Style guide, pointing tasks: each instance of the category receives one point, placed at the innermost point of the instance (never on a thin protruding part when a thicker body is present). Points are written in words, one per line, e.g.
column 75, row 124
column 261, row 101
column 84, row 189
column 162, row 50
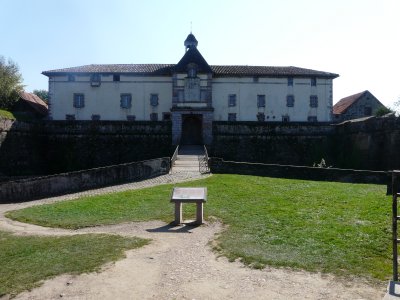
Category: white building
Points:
column 192, row 94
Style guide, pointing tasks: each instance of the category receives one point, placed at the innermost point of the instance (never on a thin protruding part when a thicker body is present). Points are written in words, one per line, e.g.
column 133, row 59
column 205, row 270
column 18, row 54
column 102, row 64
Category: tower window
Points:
column 285, row 118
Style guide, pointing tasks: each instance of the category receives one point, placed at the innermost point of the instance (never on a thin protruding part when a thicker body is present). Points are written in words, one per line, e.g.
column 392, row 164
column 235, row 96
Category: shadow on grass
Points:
column 173, row 228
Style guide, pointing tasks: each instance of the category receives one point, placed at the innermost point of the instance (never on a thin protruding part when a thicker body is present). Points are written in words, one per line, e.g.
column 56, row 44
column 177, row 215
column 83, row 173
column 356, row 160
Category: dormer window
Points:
column 192, row 71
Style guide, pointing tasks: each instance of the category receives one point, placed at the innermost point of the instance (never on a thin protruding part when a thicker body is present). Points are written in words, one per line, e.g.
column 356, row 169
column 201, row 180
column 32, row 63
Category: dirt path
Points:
column 179, row 264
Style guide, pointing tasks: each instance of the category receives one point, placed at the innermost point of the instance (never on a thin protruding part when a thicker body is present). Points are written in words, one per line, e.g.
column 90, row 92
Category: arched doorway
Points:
column 192, row 130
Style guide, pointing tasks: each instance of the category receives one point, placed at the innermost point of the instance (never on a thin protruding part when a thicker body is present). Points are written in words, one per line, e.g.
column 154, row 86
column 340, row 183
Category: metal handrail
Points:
column 174, row 156
column 203, row 162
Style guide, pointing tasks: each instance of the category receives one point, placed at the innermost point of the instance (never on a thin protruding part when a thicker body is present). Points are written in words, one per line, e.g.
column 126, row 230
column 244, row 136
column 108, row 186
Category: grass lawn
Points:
column 337, row 228
column 26, row 260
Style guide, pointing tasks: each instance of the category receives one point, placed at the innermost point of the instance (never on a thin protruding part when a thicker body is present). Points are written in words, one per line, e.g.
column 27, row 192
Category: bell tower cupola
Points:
column 190, row 42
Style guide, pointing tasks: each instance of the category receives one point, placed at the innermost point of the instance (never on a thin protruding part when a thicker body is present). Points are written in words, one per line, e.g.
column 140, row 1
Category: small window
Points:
column 70, row 117
column 232, row 117
column 79, row 100
column 285, row 119
column 116, row 77
column 95, row 80
column 95, row 117
column 71, row 77
column 131, row 117
column 260, row 117
column 260, row 100
column 154, row 117
column 313, row 101
column 255, row 79
column 166, row 116
column 126, row 101
column 290, row 81
column 154, row 99
column 290, row 100
column 312, row 119
column 367, row 111
column 95, row 77
column 232, row 100
column 313, row 81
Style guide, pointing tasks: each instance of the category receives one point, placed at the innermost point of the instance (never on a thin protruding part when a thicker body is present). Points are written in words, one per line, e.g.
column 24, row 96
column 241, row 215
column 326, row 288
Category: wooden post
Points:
column 395, row 180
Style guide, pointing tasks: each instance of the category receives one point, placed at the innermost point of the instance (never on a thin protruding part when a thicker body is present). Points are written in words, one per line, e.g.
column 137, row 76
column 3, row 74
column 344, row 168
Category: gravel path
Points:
column 179, row 264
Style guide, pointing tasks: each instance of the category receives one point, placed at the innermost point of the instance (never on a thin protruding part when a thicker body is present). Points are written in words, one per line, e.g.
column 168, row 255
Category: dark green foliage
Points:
column 10, row 83
column 383, row 111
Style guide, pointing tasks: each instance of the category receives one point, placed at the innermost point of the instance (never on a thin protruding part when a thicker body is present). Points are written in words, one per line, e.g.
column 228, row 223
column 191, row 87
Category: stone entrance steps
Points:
column 188, row 159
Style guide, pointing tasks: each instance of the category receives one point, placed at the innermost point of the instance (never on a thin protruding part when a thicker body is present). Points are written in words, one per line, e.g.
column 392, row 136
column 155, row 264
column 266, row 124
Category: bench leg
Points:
column 199, row 213
column 178, row 213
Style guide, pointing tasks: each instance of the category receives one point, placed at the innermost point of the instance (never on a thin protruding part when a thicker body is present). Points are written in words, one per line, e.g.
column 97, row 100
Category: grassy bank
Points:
column 6, row 114
column 26, row 260
column 331, row 227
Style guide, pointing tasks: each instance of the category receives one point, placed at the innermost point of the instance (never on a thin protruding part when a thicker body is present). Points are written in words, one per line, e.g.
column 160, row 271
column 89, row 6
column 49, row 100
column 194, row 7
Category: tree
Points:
column 10, row 83
column 42, row 94
column 383, row 111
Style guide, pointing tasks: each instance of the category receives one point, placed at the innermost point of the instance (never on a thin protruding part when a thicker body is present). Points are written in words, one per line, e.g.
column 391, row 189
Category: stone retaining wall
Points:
column 43, row 187
column 218, row 165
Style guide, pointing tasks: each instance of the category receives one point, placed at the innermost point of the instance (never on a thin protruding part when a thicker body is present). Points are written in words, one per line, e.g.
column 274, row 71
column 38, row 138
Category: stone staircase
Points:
column 187, row 160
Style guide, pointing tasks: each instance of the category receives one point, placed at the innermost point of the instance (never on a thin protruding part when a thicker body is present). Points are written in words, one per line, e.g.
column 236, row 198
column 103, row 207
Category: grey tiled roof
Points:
column 168, row 69
column 268, row 71
column 156, row 69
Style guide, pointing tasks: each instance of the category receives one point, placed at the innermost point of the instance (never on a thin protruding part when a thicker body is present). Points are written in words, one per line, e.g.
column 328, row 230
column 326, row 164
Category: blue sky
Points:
column 358, row 39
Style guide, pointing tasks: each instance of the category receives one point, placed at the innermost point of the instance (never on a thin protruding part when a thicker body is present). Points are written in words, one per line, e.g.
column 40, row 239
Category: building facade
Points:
column 192, row 94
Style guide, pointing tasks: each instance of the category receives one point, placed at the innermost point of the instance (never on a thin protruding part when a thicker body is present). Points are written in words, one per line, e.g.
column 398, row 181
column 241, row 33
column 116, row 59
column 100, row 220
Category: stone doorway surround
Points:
column 178, row 116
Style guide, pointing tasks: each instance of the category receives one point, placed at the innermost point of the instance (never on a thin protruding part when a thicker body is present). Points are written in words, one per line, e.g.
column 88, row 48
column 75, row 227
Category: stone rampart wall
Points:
column 52, row 147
